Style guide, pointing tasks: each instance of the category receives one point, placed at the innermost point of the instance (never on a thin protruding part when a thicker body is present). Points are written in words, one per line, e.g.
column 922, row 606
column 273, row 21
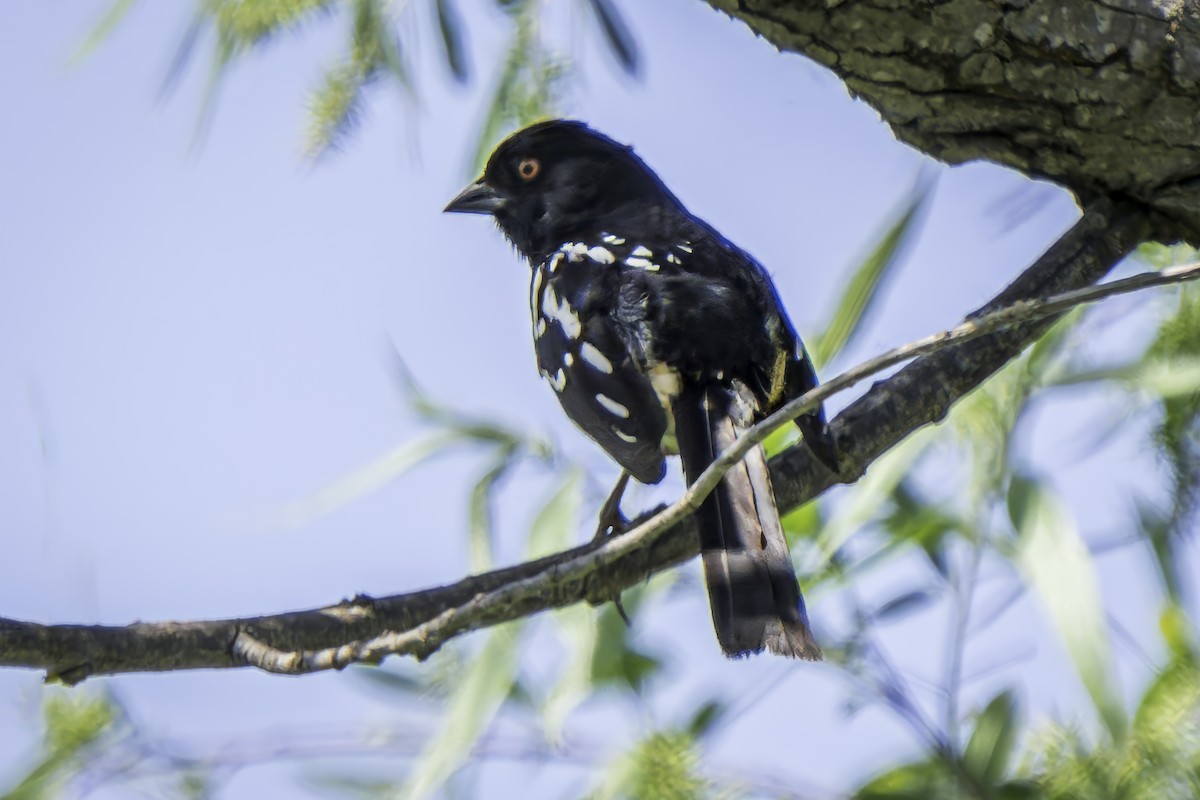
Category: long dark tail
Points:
column 752, row 588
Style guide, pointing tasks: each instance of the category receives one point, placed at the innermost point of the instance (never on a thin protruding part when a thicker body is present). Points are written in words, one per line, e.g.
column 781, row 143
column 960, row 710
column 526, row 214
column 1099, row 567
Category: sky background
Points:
column 195, row 335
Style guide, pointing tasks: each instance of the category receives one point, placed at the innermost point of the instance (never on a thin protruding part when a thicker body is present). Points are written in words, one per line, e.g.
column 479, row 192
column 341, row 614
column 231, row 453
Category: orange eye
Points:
column 529, row 168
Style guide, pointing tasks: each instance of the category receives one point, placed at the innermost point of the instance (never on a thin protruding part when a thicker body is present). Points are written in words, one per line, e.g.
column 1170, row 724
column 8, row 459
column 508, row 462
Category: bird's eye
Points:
column 529, row 168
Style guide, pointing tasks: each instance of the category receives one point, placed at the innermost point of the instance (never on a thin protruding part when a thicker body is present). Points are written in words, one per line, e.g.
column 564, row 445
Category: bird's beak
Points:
column 478, row 198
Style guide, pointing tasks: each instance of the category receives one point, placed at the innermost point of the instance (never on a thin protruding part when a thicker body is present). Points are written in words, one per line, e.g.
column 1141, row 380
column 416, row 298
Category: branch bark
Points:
column 1102, row 96
column 367, row 629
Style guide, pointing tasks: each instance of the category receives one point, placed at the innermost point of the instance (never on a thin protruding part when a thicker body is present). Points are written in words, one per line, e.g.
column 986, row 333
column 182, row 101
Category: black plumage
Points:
column 659, row 336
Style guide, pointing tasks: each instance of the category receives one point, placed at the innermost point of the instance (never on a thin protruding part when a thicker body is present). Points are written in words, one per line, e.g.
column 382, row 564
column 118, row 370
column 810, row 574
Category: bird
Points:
column 660, row 337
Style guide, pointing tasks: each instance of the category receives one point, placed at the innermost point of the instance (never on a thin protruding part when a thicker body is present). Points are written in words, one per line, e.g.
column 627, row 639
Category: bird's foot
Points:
column 611, row 521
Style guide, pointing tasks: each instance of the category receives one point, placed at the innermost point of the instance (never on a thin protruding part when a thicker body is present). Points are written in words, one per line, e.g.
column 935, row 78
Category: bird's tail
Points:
column 752, row 588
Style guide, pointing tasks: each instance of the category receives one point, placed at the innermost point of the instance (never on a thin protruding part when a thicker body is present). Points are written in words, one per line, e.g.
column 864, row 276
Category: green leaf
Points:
column 868, row 277
column 469, row 710
column 902, row 605
column 366, row 480
column 615, row 660
column 551, row 531
column 479, row 516
column 705, row 718
column 553, row 527
column 76, row 725
column 115, row 15
column 664, row 766
column 990, row 748
column 872, row 492
column 1056, row 563
column 921, row 780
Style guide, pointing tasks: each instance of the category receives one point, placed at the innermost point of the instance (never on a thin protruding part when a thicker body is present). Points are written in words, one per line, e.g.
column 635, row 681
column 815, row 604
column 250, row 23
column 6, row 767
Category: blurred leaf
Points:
column 1163, row 378
column 1055, row 562
column 664, row 766
column 479, row 516
column 1178, row 632
column 117, row 11
column 990, row 748
column 551, row 531
column 615, row 660
column 556, row 523
column 450, row 28
column 75, row 724
column 872, row 492
column 245, row 23
column 366, row 480
column 867, row 279
column 470, row 708
column 1171, row 703
column 389, row 678
column 617, row 34
column 921, row 780
column 915, row 520
column 335, row 106
column 705, row 717
column 803, row 523
column 1160, row 256
column 525, row 88
column 578, row 627
column 902, row 605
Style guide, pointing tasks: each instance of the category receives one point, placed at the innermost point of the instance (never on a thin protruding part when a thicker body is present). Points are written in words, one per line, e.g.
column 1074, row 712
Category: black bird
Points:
column 660, row 336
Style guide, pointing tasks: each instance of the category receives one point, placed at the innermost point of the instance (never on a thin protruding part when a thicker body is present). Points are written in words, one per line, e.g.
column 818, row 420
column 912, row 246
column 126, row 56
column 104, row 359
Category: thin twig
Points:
column 420, row 622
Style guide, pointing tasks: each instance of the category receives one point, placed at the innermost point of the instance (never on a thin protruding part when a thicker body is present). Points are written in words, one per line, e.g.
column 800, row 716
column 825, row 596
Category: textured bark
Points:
column 1102, row 96
column 418, row 623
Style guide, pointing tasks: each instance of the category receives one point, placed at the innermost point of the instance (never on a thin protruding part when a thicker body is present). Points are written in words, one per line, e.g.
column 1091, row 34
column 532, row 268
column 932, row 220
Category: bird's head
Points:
column 557, row 180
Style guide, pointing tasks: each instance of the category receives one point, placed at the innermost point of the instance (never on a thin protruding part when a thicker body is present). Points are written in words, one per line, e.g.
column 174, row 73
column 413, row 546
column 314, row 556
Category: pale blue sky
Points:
column 193, row 336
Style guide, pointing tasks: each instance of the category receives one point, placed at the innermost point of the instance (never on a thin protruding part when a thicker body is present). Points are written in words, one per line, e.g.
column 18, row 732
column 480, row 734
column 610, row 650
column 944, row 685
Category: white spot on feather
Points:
column 642, row 250
column 558, row 380
column 575, row 251
column 612, row 406
column 672, row 259
column 601, row 255
column 642, row 263
column 686, row 247
column 624, row 437
column 559, row 311
column 608, row 238
column 592, row 355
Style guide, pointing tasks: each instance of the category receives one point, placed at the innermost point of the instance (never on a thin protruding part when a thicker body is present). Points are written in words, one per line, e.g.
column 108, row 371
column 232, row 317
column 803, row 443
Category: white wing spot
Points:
column 535, row 290
column 642, row 263
column 575, row 251
column 608, row 238
column 568, row 359
column 555, row 260
column 624, row 437
column 685, row 247
column 601, row 255
column 558, row 380
column 560, row 311
column 671, row 258
column 541, row 326
column 612, row 406
column 593, row 356
column 642, row 250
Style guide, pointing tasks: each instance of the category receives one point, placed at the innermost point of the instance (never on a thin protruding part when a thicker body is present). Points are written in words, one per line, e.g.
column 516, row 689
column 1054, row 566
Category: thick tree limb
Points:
column 1102, row 96
column 366, row 629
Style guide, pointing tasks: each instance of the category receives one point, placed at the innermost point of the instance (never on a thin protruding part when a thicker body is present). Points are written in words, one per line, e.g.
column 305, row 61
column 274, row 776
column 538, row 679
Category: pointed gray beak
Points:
column 478, row 198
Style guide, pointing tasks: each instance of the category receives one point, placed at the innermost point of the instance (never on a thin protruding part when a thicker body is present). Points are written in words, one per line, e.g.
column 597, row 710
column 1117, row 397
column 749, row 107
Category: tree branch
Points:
column 365, row 629
column 1098, row 95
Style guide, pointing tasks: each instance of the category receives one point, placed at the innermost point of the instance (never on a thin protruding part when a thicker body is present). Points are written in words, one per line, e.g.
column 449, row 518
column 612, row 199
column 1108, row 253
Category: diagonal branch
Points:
column 948, row 365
